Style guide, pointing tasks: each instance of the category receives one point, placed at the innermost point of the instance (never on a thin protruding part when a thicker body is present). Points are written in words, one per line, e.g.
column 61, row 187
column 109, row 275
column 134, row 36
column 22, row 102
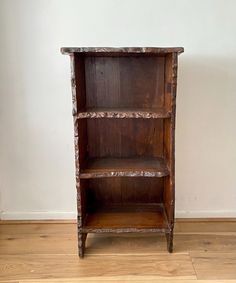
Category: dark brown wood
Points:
column 125, row 50
column 81, row 243
column 124, row 167
column 126, row 138
column 123, row 113
column 123, row 191
column 169, row 144
column 122, row 82
column 126, row 218
column 78, row 156
column 124, row 102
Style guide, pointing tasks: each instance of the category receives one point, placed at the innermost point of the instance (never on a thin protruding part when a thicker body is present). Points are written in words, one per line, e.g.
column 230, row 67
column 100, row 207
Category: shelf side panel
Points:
column 169, row 135
column 79, row 133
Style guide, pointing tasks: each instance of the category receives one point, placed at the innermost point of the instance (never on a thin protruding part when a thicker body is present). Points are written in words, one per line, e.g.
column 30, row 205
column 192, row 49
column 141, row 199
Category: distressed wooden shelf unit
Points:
column 124, row 129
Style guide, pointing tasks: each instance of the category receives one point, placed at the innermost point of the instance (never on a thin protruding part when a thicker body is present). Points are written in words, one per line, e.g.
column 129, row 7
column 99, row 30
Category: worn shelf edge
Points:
column 124, row 167
column 119, row 50
column 123, row 230
column 122, row 173
column 123, row 113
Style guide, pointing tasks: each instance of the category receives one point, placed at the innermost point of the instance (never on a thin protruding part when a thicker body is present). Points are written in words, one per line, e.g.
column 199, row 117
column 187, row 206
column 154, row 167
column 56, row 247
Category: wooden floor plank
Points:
column 18, row 267
column 204, row 242
column 214, row 265
column 48, row 253
column 38, row 244
column 156, row 243
column 37, row 228
column 15, row 228
column 124, row 279
column 205, row 226
column 44, row 243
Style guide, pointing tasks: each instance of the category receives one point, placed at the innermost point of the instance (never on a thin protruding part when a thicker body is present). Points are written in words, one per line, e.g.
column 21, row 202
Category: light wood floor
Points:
column 47, row 252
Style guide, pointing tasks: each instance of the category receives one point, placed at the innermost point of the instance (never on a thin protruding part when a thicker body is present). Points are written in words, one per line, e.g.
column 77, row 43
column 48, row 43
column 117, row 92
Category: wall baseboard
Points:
column 70, row 215
column 37, row 215
column 206, row 214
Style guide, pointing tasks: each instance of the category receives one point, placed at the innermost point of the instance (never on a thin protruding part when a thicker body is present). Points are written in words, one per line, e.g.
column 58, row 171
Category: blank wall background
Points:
column 36, row 143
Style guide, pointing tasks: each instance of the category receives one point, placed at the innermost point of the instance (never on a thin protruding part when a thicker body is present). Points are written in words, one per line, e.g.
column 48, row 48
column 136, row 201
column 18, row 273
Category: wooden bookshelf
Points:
column 124, row 129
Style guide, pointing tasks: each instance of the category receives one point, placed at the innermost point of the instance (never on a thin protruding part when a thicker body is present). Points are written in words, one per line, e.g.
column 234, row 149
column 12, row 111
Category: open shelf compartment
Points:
column 120, row 87
column 118, row 147
column 124, row 204
column 127, row 218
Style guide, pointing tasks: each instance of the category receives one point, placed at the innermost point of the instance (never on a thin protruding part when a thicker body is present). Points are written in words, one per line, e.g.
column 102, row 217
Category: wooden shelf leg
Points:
column 81, row 243
column 169, row 239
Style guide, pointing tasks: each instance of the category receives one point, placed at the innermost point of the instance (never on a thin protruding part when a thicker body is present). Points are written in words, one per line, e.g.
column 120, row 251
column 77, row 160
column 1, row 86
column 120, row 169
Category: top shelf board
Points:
column 121, row 51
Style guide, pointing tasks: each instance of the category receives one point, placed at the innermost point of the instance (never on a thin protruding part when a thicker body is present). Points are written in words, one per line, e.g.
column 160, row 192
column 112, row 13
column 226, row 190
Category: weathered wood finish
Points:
column 79, row 153
column 124, row 103
column 122, row 82
column 124, row 167
column 123, row 191
column 124, row 138
column 169, row 143
column 133, row 218
column 119, row 50
column 123, row 113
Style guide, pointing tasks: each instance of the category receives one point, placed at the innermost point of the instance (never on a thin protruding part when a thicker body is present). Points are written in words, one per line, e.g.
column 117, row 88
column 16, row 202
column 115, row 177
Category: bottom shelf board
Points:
column 131, row 218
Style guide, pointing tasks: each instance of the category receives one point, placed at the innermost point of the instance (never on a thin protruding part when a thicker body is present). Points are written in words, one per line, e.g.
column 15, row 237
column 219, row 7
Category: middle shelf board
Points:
column 124, row 113
column 124, row 167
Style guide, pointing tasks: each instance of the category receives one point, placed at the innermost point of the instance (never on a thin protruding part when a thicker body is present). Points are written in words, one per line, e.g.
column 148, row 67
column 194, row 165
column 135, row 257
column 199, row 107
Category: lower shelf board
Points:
column 119, row 219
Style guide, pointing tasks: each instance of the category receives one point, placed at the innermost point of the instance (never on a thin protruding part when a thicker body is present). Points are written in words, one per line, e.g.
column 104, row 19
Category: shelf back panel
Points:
column 124, row 138
column 124, row 82
column 124, row 191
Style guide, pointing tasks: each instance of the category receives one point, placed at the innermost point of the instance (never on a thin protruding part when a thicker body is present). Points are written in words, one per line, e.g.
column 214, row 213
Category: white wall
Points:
column 36, row 145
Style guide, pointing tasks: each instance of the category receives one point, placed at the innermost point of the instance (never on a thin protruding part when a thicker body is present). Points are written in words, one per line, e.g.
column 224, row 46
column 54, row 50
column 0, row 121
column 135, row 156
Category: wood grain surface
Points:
column 204, row 252
column 120, row 50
